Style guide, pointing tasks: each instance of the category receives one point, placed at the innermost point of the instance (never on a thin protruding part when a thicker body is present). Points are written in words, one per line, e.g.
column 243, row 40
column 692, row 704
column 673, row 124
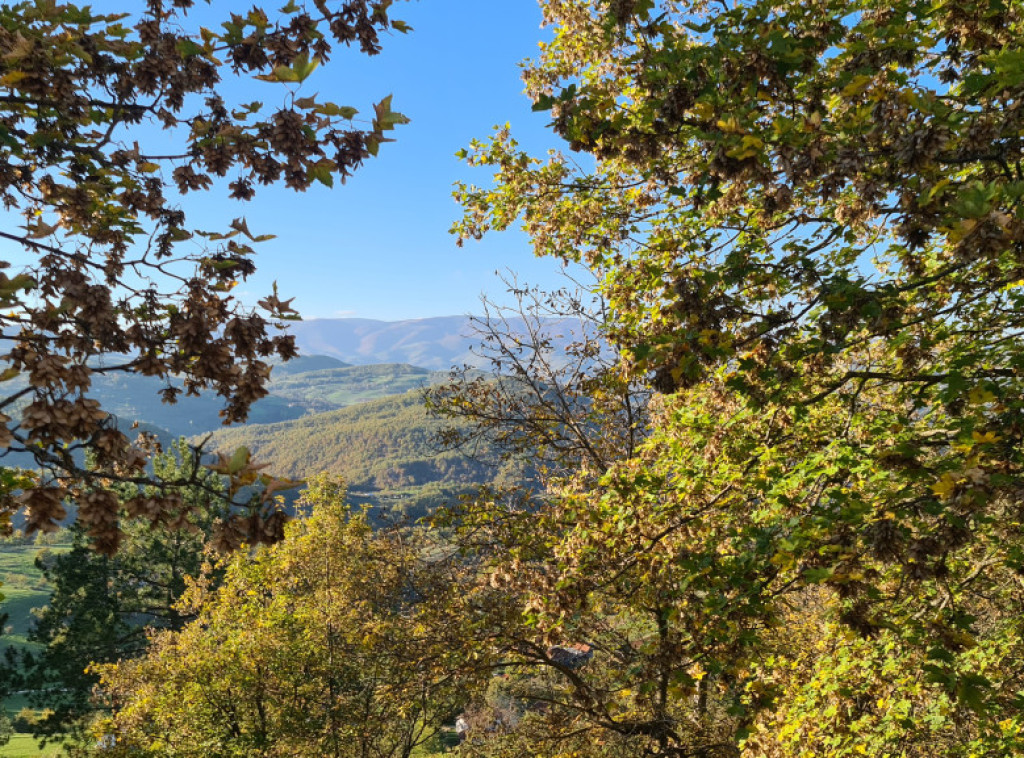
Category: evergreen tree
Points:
column 103, row 607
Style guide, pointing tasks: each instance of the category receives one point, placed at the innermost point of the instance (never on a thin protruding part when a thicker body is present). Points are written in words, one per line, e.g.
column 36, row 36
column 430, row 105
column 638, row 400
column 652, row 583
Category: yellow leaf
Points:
column 730, row 125
column 857, row 85
column 980, row 396
column 984, row 438
column 11, row 78
column 940, row 186
column 741, row 153
column 945, row 486
column 703, row 111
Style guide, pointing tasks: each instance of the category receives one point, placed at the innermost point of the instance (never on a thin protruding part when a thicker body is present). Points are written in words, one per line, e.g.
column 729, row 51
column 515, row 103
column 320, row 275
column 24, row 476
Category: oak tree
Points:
column 807, row 221
column 336, row 641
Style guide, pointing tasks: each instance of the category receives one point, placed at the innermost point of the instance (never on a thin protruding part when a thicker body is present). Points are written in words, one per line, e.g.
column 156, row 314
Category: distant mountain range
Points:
column 433, row 343
column 365, row 422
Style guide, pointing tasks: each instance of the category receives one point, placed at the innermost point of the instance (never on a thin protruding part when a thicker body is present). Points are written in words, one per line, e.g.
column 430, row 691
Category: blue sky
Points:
column 379, row 247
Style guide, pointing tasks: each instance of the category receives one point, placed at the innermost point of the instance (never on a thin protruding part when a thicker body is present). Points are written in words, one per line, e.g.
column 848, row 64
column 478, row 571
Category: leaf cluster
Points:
column 106, row 262
column 806, row 220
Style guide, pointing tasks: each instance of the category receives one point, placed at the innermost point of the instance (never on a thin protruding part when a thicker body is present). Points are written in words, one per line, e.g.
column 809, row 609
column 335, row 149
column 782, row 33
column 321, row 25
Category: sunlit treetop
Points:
column 807, row 217
column 783, row 179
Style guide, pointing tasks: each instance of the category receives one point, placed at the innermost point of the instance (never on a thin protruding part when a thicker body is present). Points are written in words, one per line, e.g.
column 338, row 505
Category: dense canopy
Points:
column 807, row 219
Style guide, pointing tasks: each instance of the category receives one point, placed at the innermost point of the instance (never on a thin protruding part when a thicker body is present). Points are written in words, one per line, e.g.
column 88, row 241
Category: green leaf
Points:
column 279, row 74
column 239, row 459
column 321, row 172
column 302, row 67
column 391, row 118
column 972, row 691
column 544, row 103
column 188, row 49
column 817, row 575
column 330, row 109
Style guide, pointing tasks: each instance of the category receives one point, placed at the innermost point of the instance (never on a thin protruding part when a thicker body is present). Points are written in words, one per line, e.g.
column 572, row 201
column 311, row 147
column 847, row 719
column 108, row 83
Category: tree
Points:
column 103, row 606
column 555, row 394
column 334, row 642
column 807, row 221
column 106, row 262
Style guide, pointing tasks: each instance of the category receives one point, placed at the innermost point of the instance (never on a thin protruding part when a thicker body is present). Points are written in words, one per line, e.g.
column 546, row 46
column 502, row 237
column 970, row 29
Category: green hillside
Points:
column 383, row 449
column 23, row 586
column 327, row 389
column 305, row 363
column 366, row 423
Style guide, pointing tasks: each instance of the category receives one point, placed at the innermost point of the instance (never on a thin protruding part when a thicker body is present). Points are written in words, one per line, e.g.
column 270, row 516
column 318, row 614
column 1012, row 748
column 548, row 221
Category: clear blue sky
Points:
column 378, row 247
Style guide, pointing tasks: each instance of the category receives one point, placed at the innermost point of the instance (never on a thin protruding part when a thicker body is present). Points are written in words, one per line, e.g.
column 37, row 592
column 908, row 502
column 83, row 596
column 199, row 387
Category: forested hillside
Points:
column 132, row 397
column 333, row 388
column 383, row 449
column 307, row 384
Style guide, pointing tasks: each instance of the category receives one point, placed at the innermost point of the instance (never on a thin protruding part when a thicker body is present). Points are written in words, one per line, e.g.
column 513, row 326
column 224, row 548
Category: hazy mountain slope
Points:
column 339, row 387
column 306, row 363
column 434, row 343
column 382, row 448
column 308, row 384
column 134, row 398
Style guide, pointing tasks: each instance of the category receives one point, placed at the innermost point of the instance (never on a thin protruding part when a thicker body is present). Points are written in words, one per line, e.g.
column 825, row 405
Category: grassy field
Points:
column 25, row 746
column 23, row 589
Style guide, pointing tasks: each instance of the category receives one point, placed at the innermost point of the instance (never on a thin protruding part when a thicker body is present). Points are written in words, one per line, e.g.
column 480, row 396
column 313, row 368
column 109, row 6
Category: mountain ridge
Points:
column 437, row 343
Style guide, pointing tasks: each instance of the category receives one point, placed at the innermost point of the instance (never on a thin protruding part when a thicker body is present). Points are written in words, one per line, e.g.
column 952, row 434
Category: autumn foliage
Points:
column 105, row 261
column 806, row 221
